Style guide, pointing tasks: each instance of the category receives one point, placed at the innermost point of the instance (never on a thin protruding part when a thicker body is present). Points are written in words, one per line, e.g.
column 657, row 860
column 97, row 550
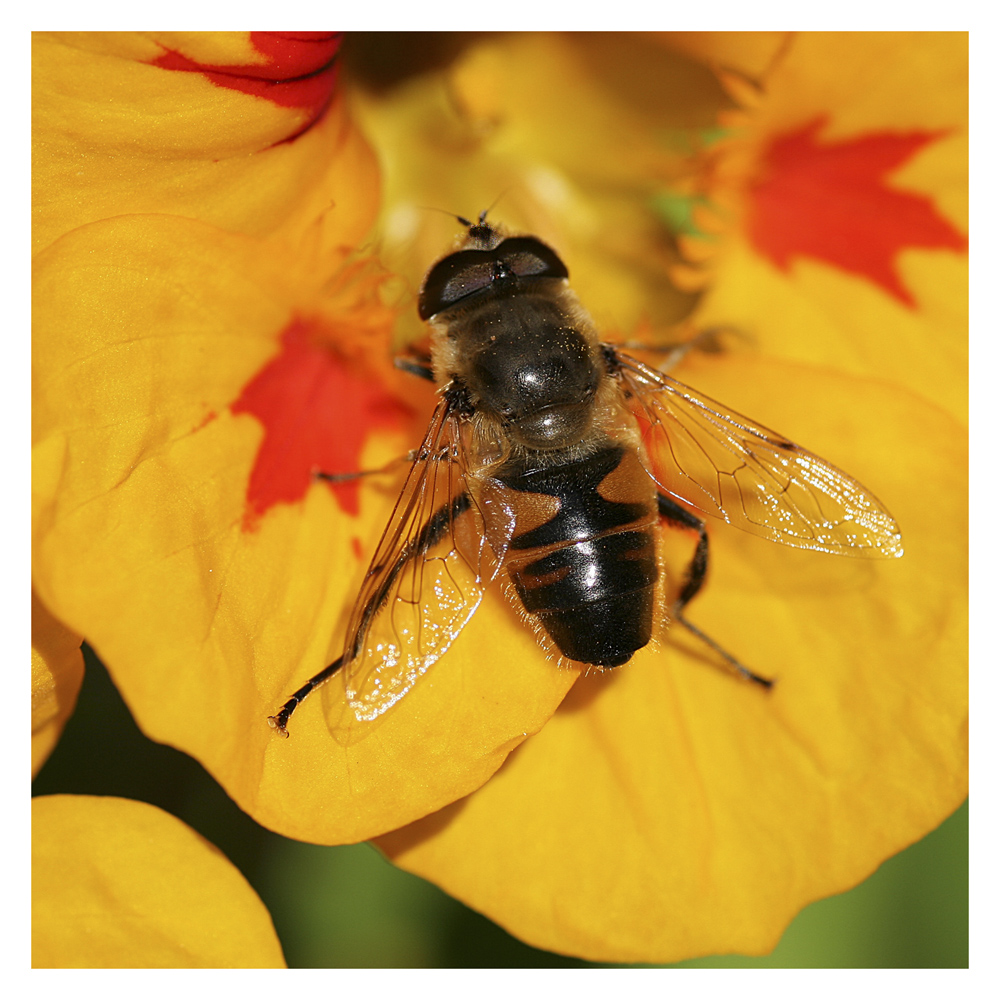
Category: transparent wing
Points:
column 427, row 577
column 723, row 464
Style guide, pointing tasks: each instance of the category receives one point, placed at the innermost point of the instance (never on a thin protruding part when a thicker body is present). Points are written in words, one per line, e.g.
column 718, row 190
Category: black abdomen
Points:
column 583, row 558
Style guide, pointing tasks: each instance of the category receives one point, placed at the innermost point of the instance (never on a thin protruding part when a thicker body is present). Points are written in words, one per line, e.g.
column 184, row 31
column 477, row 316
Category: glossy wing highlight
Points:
column 725, row 465
column 427, row 576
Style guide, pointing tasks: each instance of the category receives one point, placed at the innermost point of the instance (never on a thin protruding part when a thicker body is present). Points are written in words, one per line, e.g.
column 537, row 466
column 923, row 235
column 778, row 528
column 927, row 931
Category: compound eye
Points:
column 466, row 272
column 454, row 278
column 531, row 258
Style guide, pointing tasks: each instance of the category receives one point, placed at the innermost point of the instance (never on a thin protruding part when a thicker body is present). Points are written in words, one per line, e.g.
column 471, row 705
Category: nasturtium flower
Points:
column 122, row 884
column 199, row 357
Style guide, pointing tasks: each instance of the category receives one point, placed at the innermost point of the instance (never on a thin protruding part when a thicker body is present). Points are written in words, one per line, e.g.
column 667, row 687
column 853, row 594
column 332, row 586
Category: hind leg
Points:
column 694, row 577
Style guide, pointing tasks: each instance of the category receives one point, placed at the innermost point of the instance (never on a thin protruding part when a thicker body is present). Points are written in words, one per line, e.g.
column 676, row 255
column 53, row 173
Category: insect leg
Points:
column 346, row 477
column 419, row 365
column 431, row 533
column 391, row 466
column 694, row 577
column 280, row 720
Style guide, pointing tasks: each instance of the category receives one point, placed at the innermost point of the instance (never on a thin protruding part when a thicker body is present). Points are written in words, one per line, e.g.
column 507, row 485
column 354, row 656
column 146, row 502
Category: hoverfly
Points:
column 551, row 460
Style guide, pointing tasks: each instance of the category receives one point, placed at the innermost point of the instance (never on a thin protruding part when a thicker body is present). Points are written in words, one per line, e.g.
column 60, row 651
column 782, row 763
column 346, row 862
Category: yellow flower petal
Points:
column 668, row 810
column 749, row 53
column 122, row 884
column 901, row 79
column 115, row 134
column 56, row 676
column 900, row 83
column 719, row 822
column 206, row 621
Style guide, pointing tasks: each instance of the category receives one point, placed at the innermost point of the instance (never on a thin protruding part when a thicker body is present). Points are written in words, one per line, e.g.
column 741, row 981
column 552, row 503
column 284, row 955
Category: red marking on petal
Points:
column 294, row 54
column 831, row 202
column 356, row 547
column 300, row 71
column 317, row 411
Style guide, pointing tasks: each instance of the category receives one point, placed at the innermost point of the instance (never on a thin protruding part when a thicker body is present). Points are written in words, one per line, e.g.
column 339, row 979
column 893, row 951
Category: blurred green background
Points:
column 336, row 907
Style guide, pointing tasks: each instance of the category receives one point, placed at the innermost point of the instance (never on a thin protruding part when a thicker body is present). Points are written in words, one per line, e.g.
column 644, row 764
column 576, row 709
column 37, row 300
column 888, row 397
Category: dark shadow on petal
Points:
column 378, row 61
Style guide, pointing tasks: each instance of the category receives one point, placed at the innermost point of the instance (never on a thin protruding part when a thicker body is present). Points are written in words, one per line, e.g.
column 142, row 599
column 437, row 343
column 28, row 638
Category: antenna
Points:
column 462, row 220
